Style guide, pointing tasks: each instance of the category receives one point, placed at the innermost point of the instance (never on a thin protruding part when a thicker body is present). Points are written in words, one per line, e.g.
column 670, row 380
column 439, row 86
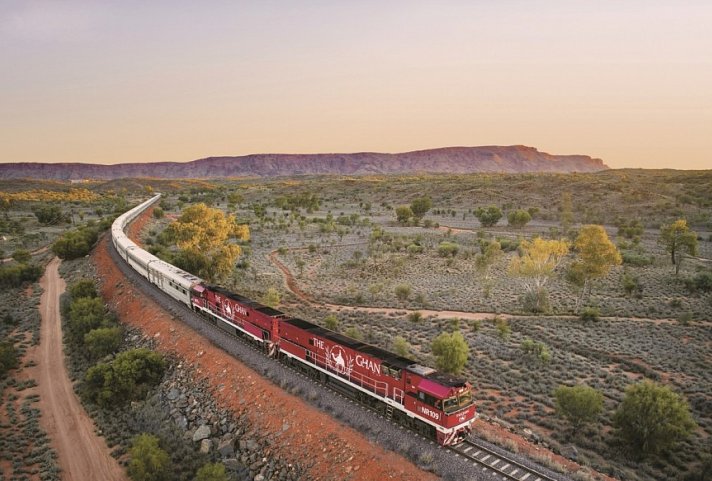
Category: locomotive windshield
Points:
column 455, row 403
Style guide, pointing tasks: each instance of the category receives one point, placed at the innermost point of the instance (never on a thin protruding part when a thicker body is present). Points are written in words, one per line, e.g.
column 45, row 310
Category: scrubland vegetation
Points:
column 594, row 291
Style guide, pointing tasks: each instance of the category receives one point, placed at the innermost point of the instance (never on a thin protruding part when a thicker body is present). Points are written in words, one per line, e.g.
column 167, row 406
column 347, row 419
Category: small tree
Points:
column 566, row 216
column 518, row 218
column 403, row 214
column 420, row 206
column 211, row 472
column 331, row 321
column 678, row 240
column 451, row 352
column 488, row 216
column 148, row 461
column 596, row 255
column 401, row 346
column 652, row 418
column 503, row 329
column 85, row 314
column 536, row 265
column 402, row 292
column 578, row 404
column 271, row 298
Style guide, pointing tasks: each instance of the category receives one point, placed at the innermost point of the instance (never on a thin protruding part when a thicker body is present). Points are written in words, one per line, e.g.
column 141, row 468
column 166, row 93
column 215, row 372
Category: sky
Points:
column 629, row 82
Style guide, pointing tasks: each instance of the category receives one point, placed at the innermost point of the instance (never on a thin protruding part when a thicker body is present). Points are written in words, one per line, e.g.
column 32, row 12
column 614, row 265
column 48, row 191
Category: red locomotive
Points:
column 436, row 405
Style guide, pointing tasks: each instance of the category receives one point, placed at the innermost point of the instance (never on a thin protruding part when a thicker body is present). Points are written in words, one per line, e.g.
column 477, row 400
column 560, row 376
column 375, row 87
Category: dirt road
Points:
column 82, row 454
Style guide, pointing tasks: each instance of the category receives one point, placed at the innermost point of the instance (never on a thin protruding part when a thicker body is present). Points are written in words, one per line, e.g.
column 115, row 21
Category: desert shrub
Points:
column 685, row 318
column 537, row 350
column 702, row 282
column 8, row 358
column 82, row 288
column 589, row 313
column 578, row 404
column 636, row 259
column 402, row 291
column 537, row 301
column 49, row 214
column 414, row 248
column 127, row 377
column 331, row 322
column 22, row 256
column 448, row 249
column 451, row 352
column 488, row 216
column 158, row 213
column 211, row 472
column 17, row 274
column 415, row 316
column 401, row 346
column 652, row 419
column 271, row 298
column 148, row 461
column 75, row 243
column 85, row 314
column 354, row 333
column 630, row 284
column 103, row 341
column 503, row 329
column 518, row 218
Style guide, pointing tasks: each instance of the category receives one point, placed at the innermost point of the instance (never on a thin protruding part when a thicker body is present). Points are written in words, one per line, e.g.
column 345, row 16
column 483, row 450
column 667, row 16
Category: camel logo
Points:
column 336, row 359
column 227, row 309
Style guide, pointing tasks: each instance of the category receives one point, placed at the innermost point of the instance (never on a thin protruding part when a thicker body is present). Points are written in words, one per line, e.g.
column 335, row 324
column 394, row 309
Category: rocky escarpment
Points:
column 454, row 160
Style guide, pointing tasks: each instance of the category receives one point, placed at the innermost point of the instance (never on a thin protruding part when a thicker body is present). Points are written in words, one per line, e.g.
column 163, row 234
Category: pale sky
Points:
column 136, row 81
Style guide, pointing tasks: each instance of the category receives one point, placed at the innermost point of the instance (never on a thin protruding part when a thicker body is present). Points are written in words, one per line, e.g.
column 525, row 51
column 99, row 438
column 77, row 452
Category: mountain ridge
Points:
column 504, row 159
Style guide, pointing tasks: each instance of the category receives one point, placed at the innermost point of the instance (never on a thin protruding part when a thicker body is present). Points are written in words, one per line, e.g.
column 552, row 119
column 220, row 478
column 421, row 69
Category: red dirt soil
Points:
column 335, row 451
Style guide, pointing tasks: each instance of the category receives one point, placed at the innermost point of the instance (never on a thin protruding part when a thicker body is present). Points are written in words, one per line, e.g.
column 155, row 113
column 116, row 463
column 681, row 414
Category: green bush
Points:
column 488, row 216
column 126, row 378
column 82, row 288
column 451, row 352
column 85, row 314
column 590, row 314
column 148, row 461
column 103, row 341
column 652, row 419
column 448, row 249
column 702, row 282
column 8, row 358
column 579, row 404
column 636, row 259
column 76, row 243
column 17, row 274
column 212, row 472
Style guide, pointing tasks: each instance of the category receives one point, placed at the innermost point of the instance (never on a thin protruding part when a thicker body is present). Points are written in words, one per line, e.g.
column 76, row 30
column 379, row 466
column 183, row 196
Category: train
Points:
column 437, row 405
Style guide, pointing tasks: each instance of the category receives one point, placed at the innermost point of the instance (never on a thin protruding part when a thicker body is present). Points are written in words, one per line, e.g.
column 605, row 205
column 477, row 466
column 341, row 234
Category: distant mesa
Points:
column 451, row 160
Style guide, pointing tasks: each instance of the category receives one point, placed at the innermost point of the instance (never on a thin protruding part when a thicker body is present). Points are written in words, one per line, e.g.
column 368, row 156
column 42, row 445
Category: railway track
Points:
column 497, row 463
